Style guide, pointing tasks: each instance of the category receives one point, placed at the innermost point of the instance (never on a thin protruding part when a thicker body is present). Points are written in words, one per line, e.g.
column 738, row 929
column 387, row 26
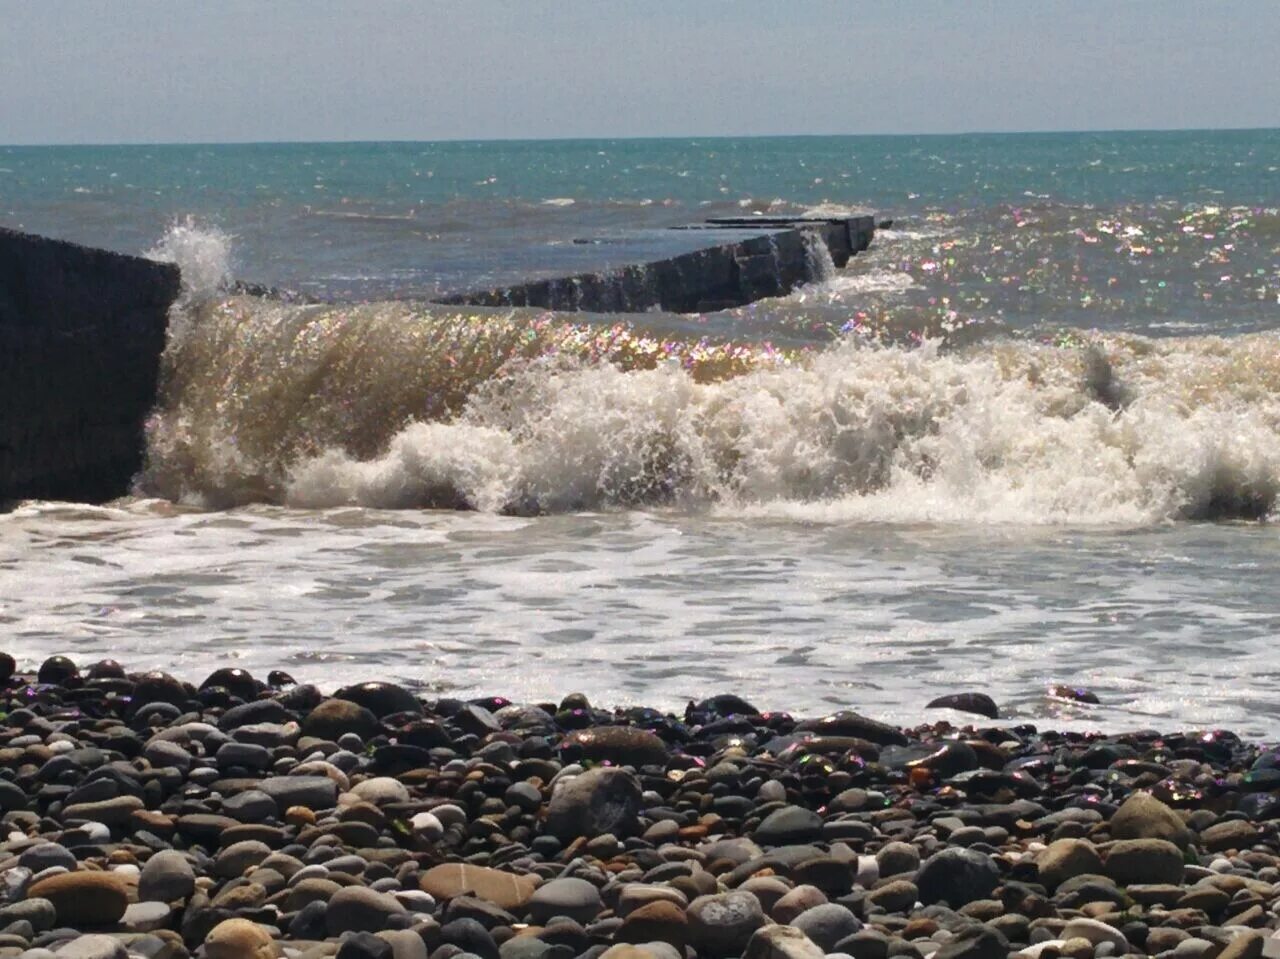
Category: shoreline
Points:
column 151, row 817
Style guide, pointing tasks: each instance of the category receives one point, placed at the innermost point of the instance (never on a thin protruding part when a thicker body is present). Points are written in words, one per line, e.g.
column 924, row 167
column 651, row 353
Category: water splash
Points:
column 203, row 256
column 201, row 252
column 817, row 257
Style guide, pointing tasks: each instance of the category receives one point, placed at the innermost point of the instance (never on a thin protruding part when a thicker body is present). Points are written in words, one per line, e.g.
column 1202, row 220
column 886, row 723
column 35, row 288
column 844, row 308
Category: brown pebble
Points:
column 238, row 939
column 84, row 898
column 921, row 928
column 299, row 816
column 1077, row 948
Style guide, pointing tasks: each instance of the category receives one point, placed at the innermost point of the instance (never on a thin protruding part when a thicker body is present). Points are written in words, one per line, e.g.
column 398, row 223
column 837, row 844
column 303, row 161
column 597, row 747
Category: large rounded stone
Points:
column 311, row 889
column 787, row 826
column 158, row 687
column 45, row 855
column 364, row 945
column 979, row 703
column 957, row 877
column 788, row 906
column 380, row 790
column 92, row 947
column 897, row 858
column 504, row 889
column 636, row 895
column 898, row 895
column 166, row 876
column 405, row 943
column 239, row 857
column 381, row 699
column 619, row 744
column 658, row 921
column 84, row 898
column 975, row 942
column 721, row 925
column 39, row 912
column 575, row 898
column 334, row 717
column 238, row 682
column 1143, row 861
column 110, row 812
column 313, row 792
column 1144, row 817
column 238, row 939
column 1096, row 932
column 849, row 723
column 1231, row 834
column 1064, row 859
column 359, row 909
column 161, row 753
column 781, row 942
column 593, row 803
column 57, row 671
column 827, row 924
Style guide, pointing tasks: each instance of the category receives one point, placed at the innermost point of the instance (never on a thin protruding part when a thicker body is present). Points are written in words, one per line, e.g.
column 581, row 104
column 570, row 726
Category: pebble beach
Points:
column 148, row 817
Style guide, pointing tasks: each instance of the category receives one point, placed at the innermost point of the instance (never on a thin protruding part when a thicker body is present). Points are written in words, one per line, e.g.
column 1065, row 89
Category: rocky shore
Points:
column 244, row 819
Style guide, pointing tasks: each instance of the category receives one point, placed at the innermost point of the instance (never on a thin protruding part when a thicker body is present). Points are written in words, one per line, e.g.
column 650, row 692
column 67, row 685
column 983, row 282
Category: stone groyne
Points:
column 81, row 333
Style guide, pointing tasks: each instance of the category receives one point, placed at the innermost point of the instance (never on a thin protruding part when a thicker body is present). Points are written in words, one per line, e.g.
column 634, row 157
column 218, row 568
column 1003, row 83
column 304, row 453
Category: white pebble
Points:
column 450, row 815
column 868, row 872
column 427, row 826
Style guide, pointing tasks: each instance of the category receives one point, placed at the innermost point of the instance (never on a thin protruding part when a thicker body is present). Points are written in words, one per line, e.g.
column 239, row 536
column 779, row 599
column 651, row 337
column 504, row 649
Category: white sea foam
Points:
column 837, row 210
column 898, row 235
column 872, row 281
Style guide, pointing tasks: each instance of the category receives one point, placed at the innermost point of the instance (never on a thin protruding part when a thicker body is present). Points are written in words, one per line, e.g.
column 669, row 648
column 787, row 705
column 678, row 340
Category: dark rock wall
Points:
column 81, row 334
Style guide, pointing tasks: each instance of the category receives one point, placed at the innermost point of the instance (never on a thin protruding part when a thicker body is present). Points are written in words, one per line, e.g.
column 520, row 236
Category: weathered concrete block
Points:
column 81, row 334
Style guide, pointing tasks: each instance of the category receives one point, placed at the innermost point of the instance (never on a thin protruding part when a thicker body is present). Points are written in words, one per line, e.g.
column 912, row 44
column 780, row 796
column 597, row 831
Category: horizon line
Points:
column 627, row 138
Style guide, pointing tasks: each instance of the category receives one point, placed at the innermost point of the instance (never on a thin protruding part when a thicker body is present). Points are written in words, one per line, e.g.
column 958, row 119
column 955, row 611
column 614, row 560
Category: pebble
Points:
column 721, row 924
column 238, row 939
column 572, row 897
column 83, row 898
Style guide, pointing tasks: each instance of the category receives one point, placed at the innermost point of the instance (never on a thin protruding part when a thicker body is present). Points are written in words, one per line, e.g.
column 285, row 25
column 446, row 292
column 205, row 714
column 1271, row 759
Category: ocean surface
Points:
column 1032, row 436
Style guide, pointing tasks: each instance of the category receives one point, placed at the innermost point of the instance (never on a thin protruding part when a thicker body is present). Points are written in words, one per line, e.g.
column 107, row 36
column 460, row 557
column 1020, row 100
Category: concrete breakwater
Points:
column 81, row 333
column 82, row 330
column 734, row 261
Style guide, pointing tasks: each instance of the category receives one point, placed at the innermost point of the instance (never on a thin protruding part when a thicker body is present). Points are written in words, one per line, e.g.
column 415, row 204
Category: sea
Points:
column 1030, row 438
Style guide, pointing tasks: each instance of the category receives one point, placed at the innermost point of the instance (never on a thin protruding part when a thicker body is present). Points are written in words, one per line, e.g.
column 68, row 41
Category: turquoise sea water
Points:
column 1032, row 435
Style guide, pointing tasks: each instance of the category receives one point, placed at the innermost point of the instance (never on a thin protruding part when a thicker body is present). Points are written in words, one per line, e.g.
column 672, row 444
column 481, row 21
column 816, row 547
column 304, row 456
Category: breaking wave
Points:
column 397, row 405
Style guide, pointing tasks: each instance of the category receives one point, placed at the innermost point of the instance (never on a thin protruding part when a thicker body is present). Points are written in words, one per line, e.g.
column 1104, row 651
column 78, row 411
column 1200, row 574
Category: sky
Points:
column 148, row 71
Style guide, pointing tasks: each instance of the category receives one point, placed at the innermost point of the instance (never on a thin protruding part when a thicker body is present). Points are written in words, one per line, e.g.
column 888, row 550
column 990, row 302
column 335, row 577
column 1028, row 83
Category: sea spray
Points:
column 203, row 255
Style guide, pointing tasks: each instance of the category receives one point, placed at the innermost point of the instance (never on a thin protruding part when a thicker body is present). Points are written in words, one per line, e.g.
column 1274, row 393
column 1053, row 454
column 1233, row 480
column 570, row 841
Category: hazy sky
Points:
column 214, row 70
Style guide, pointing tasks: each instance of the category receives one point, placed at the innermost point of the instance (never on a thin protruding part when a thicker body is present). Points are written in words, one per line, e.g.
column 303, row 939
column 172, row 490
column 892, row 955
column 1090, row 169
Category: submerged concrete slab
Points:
column 722, row 263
